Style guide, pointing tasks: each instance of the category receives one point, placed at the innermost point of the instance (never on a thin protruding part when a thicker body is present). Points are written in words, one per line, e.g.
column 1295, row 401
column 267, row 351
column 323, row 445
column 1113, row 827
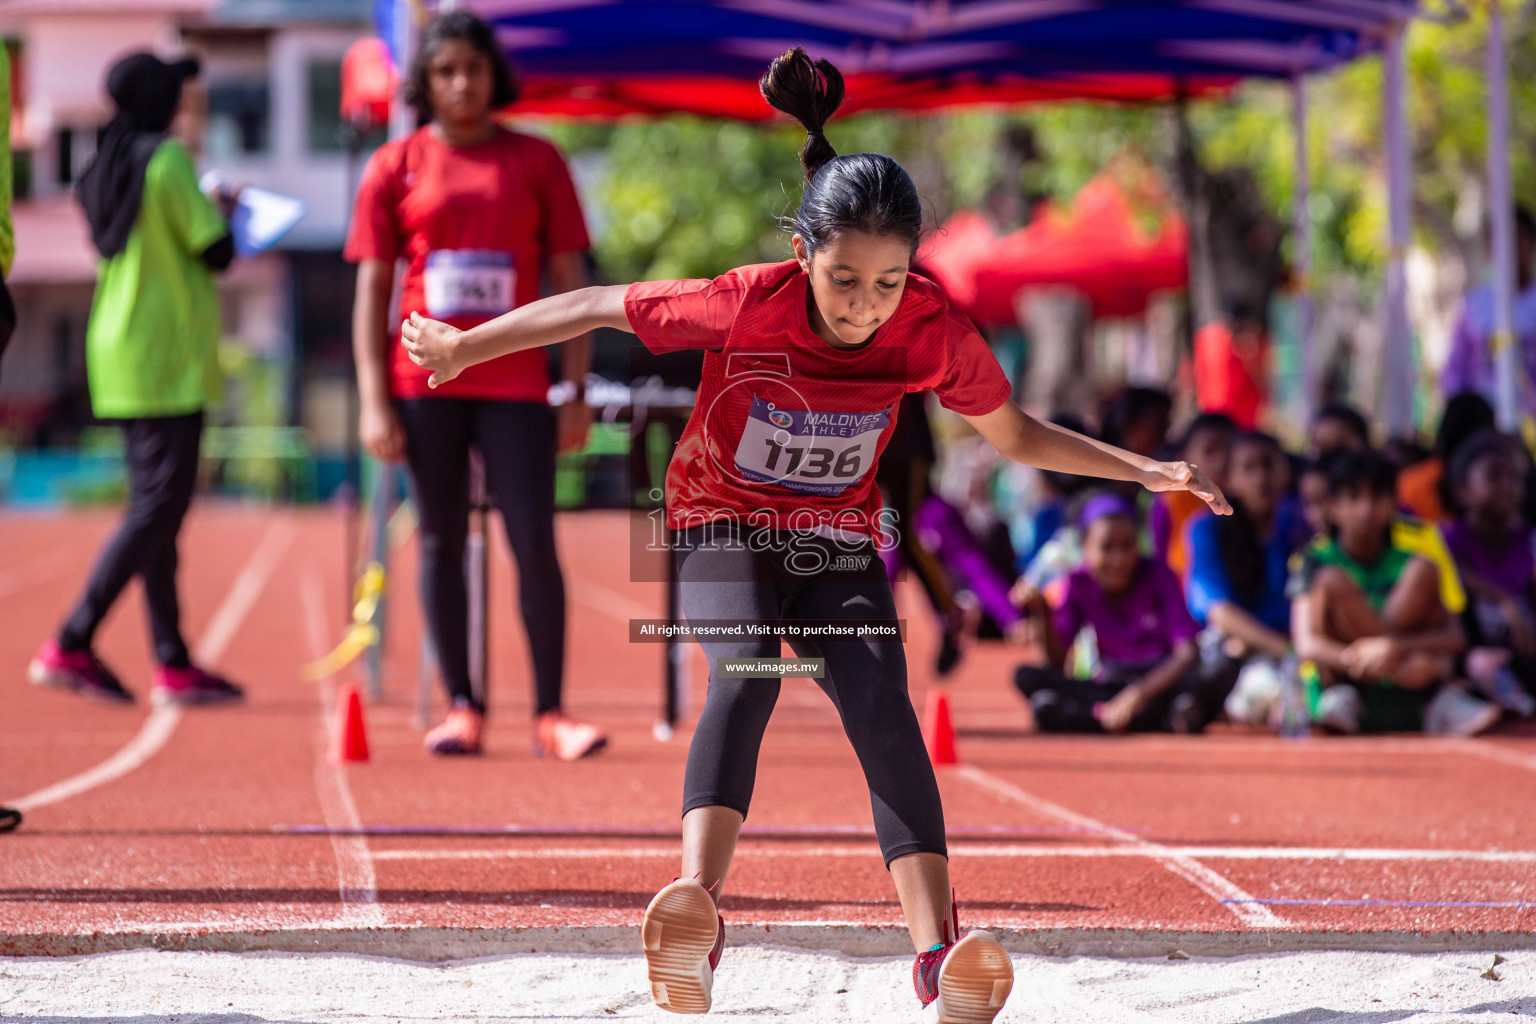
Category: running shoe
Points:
column 1455, row 712
column 188, row 686
column 460, row 732
column 1255, row 697
column 1508, row 694
column 965, row 982
column 10, row 817
column 683, row 936
column 79, row 671
column 1501, row 686
column 1339, row 708
column 555, row 734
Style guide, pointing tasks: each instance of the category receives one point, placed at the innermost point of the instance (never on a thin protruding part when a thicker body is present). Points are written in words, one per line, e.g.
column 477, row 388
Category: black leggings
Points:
column 866, row 679
column 1063, row 704
column 161, row 453
column 517, row 442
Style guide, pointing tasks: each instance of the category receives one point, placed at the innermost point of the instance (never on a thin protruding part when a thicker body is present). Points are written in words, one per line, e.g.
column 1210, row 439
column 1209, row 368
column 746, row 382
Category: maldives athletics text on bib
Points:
column 469, row 283
column 812, row 452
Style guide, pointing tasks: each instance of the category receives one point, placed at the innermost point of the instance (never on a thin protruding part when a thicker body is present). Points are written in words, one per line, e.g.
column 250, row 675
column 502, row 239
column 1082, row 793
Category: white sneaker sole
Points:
column 40, row 674
column 679, row 931
column 974, row 982
column 1484, row 720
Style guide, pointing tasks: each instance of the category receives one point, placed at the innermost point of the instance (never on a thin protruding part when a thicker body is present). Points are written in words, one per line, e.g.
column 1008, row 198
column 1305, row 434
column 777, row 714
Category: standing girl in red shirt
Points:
column 478, row 214
column 772, row 505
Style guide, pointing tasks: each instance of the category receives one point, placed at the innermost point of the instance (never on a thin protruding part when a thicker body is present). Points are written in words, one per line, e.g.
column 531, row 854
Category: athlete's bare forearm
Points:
column 1022, row 438
column 447, row 352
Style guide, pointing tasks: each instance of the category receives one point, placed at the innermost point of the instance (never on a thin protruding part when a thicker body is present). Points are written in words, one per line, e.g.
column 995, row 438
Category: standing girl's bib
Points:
column 469, row 283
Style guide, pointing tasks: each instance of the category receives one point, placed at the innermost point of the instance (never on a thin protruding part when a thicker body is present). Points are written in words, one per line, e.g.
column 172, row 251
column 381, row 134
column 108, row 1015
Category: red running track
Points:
column 225, row 828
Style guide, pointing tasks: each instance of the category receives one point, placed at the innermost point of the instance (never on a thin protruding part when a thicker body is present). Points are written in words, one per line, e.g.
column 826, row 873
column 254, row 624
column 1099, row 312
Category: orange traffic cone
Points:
column 938, row 730
column 349, row 738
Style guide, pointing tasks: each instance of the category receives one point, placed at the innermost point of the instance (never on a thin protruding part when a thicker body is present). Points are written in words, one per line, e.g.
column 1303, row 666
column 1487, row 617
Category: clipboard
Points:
column 260, row 218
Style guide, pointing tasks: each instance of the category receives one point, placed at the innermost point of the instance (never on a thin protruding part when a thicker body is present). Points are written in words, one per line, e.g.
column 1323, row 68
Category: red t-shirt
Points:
column 787, row 429
column 474, row 225
column 1229, row 374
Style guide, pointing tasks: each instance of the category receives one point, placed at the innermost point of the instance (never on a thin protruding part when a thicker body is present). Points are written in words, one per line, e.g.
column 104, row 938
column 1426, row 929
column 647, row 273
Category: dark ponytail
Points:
column 1242, row 553
column 810, row 92
column 861, row 192
column 1237, row 535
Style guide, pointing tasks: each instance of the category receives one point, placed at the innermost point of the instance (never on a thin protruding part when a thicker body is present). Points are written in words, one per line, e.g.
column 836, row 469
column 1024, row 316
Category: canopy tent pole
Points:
column 402, row 117
column 1397, row 343
column 1506, row 354
column 1303, row 244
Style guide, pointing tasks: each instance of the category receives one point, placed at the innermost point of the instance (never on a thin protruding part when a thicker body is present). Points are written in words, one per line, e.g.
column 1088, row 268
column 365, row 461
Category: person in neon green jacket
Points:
column 151, row 358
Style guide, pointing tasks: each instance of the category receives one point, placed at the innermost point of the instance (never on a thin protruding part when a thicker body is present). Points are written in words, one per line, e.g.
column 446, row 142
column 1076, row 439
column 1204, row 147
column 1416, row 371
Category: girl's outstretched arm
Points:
column 1020, row 437
column 448, row 351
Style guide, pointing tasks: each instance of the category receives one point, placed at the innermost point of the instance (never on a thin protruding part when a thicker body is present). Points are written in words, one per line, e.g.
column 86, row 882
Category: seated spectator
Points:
column 1137, row 419
column 1492, row 548
column 1338, row 426
column 1404, row 451
column 903, row 475
column 1206, row 443
column 1421, row 486
column 1150, row 677
column 1312, row 494
column 1369, row 615
column 1236, row 582
column 941, row 529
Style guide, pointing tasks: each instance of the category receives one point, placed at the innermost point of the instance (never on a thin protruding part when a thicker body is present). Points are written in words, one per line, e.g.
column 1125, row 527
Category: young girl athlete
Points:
column 806, row 363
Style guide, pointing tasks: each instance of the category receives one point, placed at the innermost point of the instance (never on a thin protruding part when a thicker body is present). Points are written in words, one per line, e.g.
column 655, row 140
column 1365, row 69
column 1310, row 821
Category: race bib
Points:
column 468, row 282
column 812, row 452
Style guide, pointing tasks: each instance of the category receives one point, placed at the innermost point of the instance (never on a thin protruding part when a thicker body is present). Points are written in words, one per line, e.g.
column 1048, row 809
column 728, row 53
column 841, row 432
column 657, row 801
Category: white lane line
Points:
column 20, row 578
column 993, row 851
column 1249, row 745
column 1216, row 886
column 162, row 721
column 355, row 876
column 609, row 602
column 1500, row 753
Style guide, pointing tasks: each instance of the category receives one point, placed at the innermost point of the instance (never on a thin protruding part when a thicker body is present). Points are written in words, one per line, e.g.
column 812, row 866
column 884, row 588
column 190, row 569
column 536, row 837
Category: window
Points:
column 64, row 158
column 327, row 134
column 239, row 119
column 73, row 150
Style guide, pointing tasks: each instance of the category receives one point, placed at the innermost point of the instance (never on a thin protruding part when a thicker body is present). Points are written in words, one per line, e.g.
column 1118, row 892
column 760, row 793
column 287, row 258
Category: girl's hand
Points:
column 379, row 431
column 573, row 421
column 1372, row 657
column 1184, row 476
column 1116, row 713
column 432, row 345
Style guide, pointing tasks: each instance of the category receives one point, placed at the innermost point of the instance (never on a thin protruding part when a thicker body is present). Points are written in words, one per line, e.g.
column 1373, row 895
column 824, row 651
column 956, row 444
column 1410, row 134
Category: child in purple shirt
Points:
column 1492, row 549
column 1151, row 678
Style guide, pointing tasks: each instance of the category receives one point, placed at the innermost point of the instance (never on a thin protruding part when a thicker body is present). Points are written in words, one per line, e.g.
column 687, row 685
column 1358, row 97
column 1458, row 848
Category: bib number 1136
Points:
column 812, row 452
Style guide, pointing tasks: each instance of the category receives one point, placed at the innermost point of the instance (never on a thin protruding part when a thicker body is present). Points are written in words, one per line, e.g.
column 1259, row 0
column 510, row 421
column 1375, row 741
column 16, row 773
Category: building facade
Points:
column 264, row 111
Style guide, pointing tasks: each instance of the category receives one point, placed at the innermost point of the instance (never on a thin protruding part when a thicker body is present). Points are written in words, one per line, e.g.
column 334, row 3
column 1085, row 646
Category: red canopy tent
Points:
column 739, row 100
column 1119, row 242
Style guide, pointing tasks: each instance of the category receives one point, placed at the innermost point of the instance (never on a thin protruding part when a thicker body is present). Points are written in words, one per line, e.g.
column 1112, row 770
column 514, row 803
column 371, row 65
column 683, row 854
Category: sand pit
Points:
column 760, row 985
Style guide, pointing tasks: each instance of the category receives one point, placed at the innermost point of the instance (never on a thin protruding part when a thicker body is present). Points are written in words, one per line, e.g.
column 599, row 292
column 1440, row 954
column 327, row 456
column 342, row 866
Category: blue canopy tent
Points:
column 615, row 57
